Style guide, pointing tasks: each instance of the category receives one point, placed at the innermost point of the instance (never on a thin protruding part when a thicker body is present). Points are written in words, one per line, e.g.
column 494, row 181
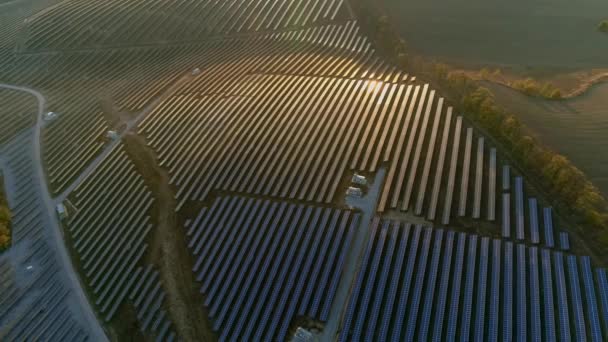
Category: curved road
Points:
column 94, row 328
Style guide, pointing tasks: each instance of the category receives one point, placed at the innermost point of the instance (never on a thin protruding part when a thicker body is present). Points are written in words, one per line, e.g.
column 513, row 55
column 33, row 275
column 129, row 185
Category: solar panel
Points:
column 548, row 308
column 602, row 279
column 449, row 194
column 439, row 167
column 492, row 186
column 519, row 208
column 287, row 288
column 480, row 319
column 369, row 286
column 407, row 279
column 380, row 288
column 535, row 304
column 506, row 215
column 562, row 296
column 494, row 291
column 469, row 283
column 464, row 183
column 421, row 271
column 350, row 311
column 564, row 241
column 478, row 179
column 548, row 221
column 577, row 300
column 593, row 313
column 323, row 265
column 443, row 286
column 506, row 178
column 430, row 287
column 507, row 314
column 456, row 283
column 333, row 286
column 275, row 285
column 264, row 278
column 395, row 279
column 534, row 232
column 521, row 319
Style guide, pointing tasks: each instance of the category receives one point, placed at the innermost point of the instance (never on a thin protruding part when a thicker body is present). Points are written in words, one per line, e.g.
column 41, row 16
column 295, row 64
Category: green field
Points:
column 539, row 34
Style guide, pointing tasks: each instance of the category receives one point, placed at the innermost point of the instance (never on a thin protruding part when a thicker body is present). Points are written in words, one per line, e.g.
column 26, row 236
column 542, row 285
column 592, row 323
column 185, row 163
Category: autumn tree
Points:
column 5, row 235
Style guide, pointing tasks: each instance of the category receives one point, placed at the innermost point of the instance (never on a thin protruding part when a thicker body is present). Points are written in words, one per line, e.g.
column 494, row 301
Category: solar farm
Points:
column 205, row 170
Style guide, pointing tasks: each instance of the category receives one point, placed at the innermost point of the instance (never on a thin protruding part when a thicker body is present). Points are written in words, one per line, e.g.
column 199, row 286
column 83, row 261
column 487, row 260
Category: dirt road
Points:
column 168, row 248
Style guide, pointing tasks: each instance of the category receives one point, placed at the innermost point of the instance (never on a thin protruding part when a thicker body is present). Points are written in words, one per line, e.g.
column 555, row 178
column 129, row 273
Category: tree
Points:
column 484, row 73
column 460, row 83
column 593, row 218
column 556, row 163
column 525, row 146
column 441, row 71
column 5, row 236
column 5, row 214
column 511, row 129
column 603, row 26
column 555, row 94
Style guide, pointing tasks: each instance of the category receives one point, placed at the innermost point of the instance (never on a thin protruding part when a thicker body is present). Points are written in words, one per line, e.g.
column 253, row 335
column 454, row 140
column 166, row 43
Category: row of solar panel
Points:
column 262, row 263
column 532, row 213
column 112, row 24
column 506, row 293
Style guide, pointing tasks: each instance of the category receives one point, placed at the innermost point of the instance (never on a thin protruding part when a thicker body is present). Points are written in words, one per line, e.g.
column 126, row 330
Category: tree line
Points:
column 567, row 187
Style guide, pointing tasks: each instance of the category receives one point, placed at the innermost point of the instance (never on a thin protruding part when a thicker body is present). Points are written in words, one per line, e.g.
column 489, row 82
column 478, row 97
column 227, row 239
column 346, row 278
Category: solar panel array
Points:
column 108, row 234
column 79, row 85
column 94, row 24
column 275, row 102
column 418, row 283
column 110, row 227
column 147, row 295
column 18, row 112
column 383, row 113
column 261, row 263
column 286, row 101
column 529, row 221
column 130, row 77
column 35, row 297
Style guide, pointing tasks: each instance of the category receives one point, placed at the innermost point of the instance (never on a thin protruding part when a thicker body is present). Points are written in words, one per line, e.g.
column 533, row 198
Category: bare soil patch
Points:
column 168, row 247
column 571, row 84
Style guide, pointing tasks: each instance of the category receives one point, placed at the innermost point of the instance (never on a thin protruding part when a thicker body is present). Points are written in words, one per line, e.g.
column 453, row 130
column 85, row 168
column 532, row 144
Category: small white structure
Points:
column 196, row 71
column 50, row 116
column 358, row 179
column 354, row 192
column 112, row 135
column 302, row 335
column 62, row 212
column 29, row 267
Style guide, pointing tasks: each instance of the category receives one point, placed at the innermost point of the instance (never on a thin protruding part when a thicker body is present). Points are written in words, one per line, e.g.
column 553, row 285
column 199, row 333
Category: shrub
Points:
column 5, row 214
column 533, row 88
column 5, row 236
column 603, row 26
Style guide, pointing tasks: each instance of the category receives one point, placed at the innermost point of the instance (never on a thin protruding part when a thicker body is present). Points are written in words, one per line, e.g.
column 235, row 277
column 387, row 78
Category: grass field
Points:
column 547, row 34
column 575, row 128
